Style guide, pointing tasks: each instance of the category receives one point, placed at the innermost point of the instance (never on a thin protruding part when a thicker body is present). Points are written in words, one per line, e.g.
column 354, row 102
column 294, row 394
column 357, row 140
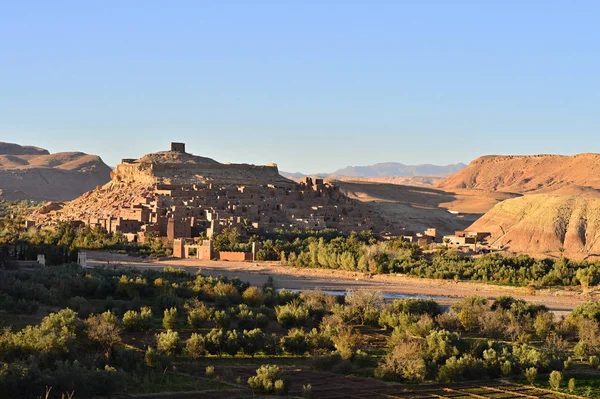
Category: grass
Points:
column 587, row 386
column 173, row 382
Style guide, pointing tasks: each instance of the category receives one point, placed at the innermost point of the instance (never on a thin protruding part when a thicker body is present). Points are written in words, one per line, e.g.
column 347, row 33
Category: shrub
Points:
column 246, row 320
column 458, row 368
column 269, row 379
column 210, row 371
column 253, row 341
column 555, row 379
column 138, row 321
column 105, row 330
column 543, row 324
column 232, row 344
column 226, row 294
column 262, row 320
column 168, row 342
column 506, row 368
column 214, row 342
column 155, row 360
column 222, row 319
column 253, row 297
column 531, row 374
column 194, row 346
column 346, row 342
column 198, row 314
column 594, row 361
column 170, row 318
column 307, row 391
column 571, row 385
column 405, row 361
column 295, row 342
column 294, row 314
column 81, row 306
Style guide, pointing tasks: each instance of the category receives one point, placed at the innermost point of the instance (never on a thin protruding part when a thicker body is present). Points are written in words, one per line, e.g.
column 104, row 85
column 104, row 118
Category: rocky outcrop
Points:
column 577, row 174
column 33, row 173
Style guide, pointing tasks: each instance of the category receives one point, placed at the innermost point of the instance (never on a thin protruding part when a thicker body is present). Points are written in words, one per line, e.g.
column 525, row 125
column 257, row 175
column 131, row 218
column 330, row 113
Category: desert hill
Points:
column 418, row 208
column 543, row 224
column 576, row 175
column 33, row 173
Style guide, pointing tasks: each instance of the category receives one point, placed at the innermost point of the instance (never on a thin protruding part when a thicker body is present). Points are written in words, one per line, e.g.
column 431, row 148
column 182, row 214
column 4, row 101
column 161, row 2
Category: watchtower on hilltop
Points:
column 178, row 147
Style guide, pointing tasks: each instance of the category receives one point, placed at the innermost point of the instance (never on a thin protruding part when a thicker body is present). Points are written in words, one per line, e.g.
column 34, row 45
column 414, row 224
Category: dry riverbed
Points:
column 561, row 301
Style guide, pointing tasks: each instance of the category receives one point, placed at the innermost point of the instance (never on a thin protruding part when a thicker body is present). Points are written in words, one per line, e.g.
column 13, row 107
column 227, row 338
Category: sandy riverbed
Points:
column 560, row 301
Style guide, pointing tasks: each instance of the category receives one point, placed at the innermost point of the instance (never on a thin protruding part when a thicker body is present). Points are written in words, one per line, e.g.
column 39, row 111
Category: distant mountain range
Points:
column 387, row 169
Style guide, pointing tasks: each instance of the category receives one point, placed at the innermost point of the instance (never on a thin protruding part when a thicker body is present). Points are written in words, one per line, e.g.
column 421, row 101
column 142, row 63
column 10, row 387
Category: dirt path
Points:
column 445, row 292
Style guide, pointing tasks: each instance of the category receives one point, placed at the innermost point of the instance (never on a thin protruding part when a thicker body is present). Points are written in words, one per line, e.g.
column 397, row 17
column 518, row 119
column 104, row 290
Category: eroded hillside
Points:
column 545, row 224
column 573, row 175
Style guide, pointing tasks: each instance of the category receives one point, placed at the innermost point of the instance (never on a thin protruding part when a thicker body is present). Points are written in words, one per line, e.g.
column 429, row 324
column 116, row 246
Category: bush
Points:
column 168, row 342
column 105, row 330
column 194, row 346
column 138, row 321
column 571, row 385
column 222, row 319
column 232, row 343
column 210, row 371
column 246, row 320
column 326, row 362
column 269, row 379
column 214, row 341
column 294, row 314
column 170, row 318
column 198, row 314
column 531, row 374
column 253, row 297
column 155, row 360
column 405, row 361
column 555, row 379
column 253, row 341
column 262, row 320
column 594, row 361
column 295, row 342
column 346, row 342
column 307, row 391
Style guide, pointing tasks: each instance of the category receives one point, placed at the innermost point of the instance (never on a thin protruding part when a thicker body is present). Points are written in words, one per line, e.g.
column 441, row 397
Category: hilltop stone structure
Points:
column 177, row 195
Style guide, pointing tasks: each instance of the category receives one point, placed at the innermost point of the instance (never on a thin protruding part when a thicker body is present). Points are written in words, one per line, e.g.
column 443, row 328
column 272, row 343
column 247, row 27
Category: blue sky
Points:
column 313, row 86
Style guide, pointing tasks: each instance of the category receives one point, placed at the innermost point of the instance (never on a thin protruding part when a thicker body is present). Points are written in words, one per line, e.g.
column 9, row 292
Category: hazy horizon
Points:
column 311, row 86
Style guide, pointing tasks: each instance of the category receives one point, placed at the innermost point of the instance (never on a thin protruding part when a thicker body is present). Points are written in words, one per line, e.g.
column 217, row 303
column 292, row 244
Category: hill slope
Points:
column 545, row 223
column 33, row 173
column 576, row 175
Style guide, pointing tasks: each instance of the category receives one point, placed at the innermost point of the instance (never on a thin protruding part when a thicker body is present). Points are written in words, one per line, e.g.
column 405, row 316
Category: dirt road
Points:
column 561, row 301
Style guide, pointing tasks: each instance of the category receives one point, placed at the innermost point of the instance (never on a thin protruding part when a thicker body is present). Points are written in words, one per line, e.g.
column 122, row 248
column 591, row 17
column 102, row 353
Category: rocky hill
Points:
column 544, row 224
column 35, row 174
column 574, row 175
column 141, row 178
